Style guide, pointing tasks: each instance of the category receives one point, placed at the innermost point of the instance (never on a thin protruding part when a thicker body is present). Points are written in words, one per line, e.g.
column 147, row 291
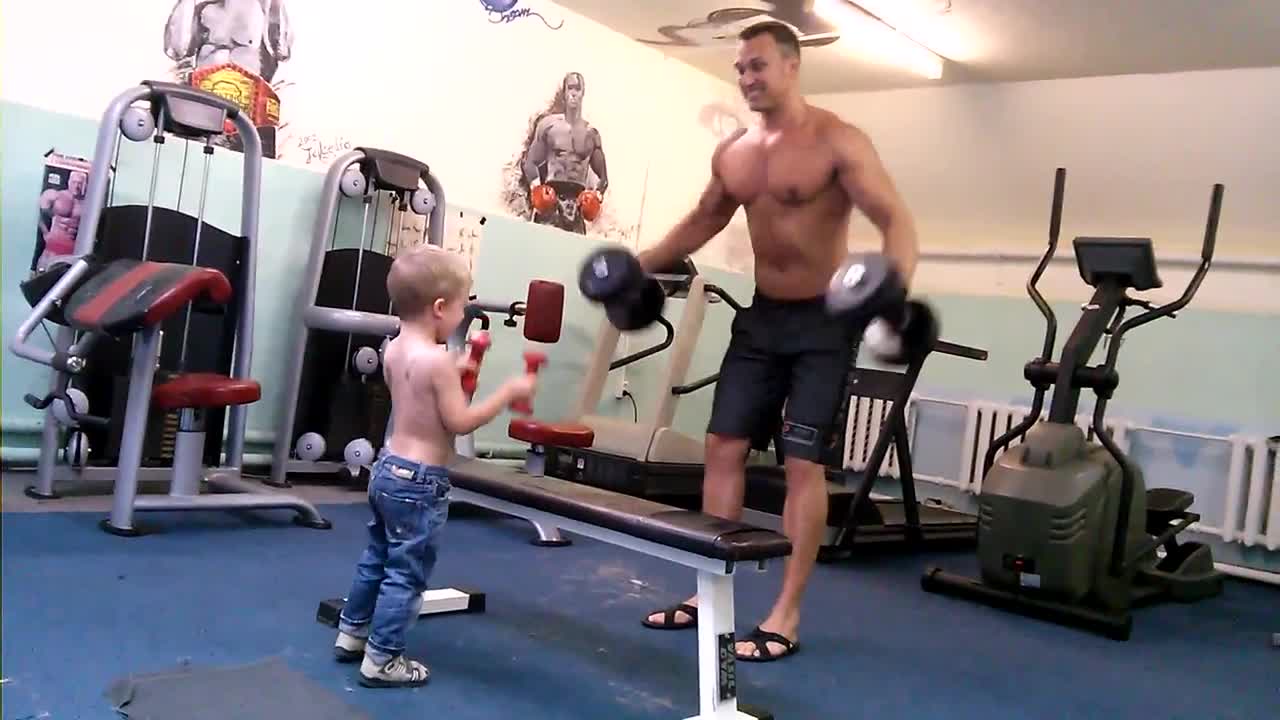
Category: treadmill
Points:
column 856, row 517
column 649, row 459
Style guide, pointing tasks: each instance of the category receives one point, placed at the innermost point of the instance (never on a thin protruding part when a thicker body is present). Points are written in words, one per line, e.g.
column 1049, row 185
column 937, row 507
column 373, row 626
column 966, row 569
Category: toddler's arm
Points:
column 459, row 417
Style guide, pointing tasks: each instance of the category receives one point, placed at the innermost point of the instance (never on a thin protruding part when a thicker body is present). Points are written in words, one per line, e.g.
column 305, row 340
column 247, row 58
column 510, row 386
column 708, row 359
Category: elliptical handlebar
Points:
column 1055, row 226
column 1168, row 309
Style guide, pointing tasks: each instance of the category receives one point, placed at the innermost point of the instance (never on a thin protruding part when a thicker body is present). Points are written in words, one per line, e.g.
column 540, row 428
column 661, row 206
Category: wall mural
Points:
column 722, row 25
column 506, row 11
column 560, row 175
column 234, row 48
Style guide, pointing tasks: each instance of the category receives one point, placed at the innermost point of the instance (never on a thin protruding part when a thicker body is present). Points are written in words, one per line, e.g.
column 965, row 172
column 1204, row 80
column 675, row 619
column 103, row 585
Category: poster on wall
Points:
column 234, row 49
column 560, row 174
column 66, row 179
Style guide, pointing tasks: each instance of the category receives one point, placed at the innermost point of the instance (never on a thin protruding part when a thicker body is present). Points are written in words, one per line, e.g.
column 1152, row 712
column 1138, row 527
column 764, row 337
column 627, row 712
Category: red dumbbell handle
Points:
column 533, row 362
column 470, row 378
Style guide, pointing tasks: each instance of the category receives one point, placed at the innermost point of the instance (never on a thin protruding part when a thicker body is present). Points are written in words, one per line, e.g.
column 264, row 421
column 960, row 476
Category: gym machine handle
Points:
column 1051, row 323
column 81, row 418
column 65, row 362
column 696, row 385
column 725, row 296
column 1118, row 561
column 964, row 351
column 636, row 357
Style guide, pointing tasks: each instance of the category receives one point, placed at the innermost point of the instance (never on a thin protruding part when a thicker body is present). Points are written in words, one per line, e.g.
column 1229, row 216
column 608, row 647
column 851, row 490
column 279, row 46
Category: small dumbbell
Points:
column 533, row 362
column 470, row 377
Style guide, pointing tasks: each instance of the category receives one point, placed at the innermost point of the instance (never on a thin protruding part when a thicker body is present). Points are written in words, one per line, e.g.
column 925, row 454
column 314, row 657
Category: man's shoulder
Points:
column 837, row 131
column 727, row 142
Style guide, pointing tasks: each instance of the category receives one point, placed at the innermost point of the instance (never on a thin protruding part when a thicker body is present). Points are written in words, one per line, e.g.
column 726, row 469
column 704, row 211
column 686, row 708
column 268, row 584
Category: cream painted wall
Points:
column 435, row 80
column 1142, row 152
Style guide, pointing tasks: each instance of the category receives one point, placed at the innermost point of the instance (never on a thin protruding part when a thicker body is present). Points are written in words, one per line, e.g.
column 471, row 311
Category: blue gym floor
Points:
column 562, row 639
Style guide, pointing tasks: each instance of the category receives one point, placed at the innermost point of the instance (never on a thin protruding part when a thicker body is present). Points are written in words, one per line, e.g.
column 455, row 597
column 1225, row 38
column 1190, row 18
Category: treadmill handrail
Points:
column 695, row 385
column 723, row 295
column 653, row 350
column 949, row 348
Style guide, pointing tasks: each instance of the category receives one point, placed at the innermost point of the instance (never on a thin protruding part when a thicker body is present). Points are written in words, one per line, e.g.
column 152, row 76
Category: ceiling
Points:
column 982, row 40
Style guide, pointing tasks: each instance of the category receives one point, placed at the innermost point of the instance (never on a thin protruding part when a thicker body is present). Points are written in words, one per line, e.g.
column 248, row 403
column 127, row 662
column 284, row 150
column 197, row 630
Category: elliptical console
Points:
column 1067, row 529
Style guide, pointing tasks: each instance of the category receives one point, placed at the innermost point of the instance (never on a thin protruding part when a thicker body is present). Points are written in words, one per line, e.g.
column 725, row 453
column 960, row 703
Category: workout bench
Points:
column 712, row 546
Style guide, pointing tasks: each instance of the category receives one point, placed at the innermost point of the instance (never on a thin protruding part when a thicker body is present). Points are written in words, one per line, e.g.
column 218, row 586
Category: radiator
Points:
column 1252, row 502
column 862, row 427
column 1253, row 495
column 986, row 422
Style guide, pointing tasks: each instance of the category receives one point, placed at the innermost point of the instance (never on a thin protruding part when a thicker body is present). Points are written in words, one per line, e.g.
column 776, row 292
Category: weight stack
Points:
column 334, row 399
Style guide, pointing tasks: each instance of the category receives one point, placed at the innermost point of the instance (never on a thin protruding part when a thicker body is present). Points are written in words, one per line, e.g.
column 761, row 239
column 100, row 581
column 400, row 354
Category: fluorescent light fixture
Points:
column 878, row 42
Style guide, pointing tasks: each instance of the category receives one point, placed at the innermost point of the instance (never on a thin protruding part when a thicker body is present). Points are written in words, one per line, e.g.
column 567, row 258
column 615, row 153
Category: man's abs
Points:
column 797, row 212
column 796, row 250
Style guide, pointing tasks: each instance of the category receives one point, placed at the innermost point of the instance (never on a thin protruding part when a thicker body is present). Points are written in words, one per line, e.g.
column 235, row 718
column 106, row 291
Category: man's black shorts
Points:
column 784, row 352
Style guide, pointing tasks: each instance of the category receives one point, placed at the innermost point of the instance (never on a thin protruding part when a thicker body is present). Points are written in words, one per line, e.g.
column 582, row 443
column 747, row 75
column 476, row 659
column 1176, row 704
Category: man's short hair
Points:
column 782, row 34
column 422, row 274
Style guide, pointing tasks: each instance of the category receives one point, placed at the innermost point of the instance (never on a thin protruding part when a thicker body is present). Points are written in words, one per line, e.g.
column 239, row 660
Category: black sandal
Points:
column 761, row 639
column 669, row 618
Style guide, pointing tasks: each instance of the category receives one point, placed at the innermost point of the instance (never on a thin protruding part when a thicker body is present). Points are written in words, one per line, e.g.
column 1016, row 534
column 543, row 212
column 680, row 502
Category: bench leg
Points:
column 717, row 663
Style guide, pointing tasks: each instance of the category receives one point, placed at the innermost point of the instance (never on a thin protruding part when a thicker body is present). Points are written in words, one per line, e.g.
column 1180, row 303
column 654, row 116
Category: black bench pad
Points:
column 693, row 532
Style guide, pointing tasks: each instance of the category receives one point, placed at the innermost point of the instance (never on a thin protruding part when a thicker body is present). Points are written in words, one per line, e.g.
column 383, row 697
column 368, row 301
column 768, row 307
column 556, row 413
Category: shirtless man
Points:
column 564, row 150
column 799, row 174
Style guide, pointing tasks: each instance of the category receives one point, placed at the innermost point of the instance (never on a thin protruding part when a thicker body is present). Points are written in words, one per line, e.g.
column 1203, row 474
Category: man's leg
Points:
column 804, row 521
column 723, row 485
column 817, row 383
column 747, row 405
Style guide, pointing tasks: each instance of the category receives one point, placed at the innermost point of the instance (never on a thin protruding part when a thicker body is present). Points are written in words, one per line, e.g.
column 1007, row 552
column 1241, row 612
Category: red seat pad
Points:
column 539, row 432
column 204, row 390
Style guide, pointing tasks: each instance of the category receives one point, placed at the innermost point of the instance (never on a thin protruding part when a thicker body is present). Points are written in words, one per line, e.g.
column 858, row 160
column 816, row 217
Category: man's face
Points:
column 573, row 92
column 765, row 75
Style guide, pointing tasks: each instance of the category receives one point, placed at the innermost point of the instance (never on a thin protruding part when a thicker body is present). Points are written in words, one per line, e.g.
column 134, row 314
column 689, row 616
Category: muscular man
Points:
column 60, row 217
column 254, row 34
column 799, row 174
column 565, row 148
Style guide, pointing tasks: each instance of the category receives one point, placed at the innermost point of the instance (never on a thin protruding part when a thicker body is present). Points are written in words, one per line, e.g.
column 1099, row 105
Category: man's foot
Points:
column 677, row 617
column 348, row 648
column 399, row 671
column 764, row 646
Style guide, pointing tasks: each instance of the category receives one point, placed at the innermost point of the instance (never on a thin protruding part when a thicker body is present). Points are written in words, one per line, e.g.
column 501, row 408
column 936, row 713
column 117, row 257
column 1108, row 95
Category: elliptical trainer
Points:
column 1067, row 530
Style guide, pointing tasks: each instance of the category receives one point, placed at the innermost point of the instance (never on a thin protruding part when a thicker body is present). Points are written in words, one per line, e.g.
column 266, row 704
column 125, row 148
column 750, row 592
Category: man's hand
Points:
column 864, row 177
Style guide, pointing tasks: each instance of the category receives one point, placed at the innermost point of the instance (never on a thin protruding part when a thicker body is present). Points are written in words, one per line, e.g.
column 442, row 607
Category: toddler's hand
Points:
column 522, row 387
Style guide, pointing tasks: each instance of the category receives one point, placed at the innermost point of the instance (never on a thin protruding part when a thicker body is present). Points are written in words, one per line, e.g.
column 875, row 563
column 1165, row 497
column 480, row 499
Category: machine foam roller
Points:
column 544, row 311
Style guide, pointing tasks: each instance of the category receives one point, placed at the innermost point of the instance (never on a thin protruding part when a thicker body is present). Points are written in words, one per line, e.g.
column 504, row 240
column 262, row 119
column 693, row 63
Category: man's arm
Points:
column 713, row 212
column 457, row 416
column 598, row 164
column 868, row 184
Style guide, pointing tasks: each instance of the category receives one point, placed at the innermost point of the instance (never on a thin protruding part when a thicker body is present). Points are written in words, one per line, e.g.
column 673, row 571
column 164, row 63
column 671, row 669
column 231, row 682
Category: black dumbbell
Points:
column 868, row 291
column 613, row 277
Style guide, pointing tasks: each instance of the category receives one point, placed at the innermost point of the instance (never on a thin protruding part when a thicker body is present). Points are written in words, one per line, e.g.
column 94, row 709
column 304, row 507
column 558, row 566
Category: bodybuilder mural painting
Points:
column 561, row 176
column 233, row 48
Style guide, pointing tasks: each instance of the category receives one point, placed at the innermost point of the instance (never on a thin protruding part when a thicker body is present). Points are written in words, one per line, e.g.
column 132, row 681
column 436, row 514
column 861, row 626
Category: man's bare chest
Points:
column 787, row 173
column 574, row 139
